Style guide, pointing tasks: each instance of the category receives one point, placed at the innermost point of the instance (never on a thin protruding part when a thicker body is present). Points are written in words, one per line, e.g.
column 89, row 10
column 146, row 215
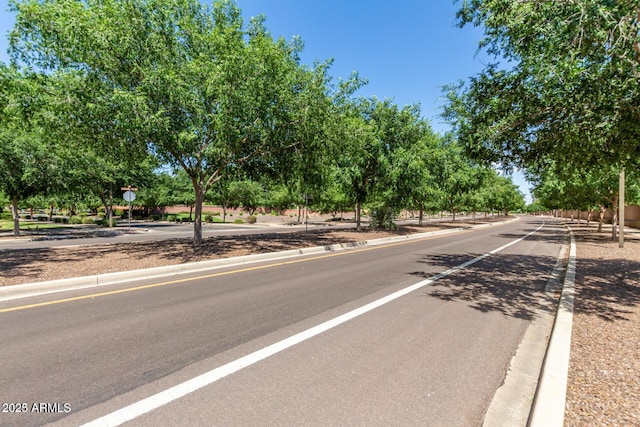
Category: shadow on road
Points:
column 509, row 284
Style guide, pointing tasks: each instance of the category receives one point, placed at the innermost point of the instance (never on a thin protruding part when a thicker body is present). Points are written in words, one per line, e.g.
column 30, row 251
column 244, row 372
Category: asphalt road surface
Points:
column 141, row 232
column 367, row 336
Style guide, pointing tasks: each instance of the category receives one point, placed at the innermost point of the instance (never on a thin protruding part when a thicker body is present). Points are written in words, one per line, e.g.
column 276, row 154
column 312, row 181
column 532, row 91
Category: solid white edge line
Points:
column 157, row 400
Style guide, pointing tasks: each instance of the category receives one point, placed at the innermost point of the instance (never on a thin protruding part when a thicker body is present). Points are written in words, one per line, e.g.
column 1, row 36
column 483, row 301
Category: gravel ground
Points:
column 604, row 374
column 604, row 371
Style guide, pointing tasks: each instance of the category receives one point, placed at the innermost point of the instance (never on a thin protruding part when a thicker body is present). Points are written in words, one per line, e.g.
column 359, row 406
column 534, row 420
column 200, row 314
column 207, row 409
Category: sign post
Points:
column 129, row 196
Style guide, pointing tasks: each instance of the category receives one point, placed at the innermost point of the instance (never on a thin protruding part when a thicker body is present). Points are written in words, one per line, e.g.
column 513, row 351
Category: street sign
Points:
column 129, row 196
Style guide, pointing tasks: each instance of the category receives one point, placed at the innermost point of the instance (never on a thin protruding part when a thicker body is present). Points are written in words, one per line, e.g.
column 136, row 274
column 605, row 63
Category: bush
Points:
column 75, row 220
column 382, row 218
column 216, row 214
column 238, row 221
column 208, row 219
column 103, row 222
column 6, row 216
column 88, row 220
column 61, row 220
column 251, row 219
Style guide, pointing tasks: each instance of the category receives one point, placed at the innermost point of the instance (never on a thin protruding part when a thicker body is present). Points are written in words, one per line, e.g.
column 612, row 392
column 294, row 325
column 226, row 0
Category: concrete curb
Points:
column 512, row 402
column 550, row 398
column 8, row 293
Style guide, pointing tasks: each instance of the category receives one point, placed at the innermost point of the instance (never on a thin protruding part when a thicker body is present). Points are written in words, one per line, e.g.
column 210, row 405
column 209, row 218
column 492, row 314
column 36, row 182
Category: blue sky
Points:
column 407, row 49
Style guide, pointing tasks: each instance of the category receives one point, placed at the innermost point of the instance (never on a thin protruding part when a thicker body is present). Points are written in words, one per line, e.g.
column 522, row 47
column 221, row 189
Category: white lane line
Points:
column 157, row 400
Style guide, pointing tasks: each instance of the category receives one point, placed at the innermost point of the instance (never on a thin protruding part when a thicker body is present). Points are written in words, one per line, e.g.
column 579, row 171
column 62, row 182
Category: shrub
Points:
column 251, row 219
column 103, row 222
column 6, row 216
column 216, row 214
column 208, row 219
column 238, row 221
column 382, row 218
column 88, row 220
column 75, row 220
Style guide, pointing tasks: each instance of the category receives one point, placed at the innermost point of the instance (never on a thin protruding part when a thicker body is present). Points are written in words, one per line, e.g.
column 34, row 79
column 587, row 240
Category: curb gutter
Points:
column 550, row 399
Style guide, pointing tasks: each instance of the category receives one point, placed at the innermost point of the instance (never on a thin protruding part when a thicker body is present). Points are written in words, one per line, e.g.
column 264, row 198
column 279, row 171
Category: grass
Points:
column 29, row 225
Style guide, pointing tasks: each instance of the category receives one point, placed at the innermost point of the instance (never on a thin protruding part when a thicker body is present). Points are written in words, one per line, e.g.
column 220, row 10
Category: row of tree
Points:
column 561, row 100
column 102, row 93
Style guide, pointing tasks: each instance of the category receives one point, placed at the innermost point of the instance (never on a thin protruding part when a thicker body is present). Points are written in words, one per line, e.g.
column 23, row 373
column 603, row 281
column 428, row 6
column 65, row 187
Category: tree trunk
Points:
column 197, row 220
column 358, row 208
column 16, row 216
column 108, row 211
column 614, row 220
column 601, row 218
column 51, row 213
column 421, row 217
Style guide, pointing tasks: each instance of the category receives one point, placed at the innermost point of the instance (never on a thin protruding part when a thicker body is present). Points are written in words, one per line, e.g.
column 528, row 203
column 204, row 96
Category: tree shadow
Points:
column 508, row 284
column 32, row 265
column 514, row 285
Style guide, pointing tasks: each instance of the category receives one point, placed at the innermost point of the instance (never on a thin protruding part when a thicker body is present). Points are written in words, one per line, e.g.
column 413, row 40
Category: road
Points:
column 431, row 354
column 140, row 232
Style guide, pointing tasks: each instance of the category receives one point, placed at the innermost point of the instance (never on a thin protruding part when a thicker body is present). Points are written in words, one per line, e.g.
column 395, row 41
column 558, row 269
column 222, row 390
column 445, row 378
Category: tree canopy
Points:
column 565, row 83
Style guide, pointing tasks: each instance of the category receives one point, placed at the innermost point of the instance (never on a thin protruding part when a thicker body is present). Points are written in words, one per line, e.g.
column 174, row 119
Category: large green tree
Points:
column 564, row 86
column 201, row 90
column 29, row 164
column 565, row 83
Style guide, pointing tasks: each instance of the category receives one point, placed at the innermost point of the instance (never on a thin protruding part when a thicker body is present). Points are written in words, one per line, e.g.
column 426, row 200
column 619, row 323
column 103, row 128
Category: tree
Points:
column 28, row 164
column 248, row 194
column 279, row 198
column 382, row 157
column 455, row 176
column 206, row 94
column 572, row 92
column 362, row 161
column 589, row 189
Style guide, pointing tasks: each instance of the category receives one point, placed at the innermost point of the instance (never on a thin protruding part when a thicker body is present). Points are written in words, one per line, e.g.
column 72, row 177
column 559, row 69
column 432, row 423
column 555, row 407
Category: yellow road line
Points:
column 224, row 273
